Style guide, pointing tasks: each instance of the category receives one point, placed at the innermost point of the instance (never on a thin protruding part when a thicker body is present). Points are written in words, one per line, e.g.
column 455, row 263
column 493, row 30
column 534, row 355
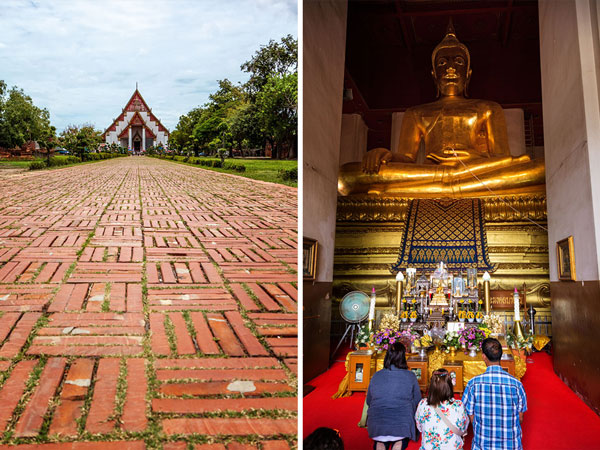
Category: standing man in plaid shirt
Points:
column 495, row 402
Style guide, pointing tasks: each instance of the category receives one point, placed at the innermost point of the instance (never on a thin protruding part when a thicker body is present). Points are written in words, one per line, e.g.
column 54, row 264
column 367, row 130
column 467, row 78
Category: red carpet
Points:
column 556, row 418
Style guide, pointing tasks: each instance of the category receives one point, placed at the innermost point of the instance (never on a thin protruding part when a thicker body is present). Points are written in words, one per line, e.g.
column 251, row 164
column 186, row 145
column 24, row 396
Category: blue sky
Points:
column 80, row 59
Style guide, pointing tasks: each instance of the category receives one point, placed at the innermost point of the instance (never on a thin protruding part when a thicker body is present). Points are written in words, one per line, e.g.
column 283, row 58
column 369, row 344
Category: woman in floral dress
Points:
column 435, row 434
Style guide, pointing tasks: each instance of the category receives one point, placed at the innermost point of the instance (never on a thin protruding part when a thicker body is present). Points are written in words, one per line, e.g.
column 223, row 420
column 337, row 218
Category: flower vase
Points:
column 452, row 351
column 404, row 319
column 413, row 319
column 470, row 320
column 479, row 320
column 472, row 351
column 423, row 352
column 462, row 319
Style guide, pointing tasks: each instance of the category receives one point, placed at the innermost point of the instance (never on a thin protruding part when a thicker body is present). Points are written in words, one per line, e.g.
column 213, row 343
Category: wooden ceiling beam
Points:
column 403, row 26
column 479, row 10
column 507, row 19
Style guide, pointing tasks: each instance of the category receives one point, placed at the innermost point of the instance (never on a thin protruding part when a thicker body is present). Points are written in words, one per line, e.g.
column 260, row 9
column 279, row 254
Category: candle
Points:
column 486, row 292
column 399, row 289
column 372, row 306
column 517, row 305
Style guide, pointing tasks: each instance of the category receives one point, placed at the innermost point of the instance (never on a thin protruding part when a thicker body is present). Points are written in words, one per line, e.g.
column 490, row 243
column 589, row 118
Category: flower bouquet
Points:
column 422, row 344
column 384, row 338
column 413, row 316
column 525, row 343
column 471, row 338
column 479, row 317
column 470, row 316
column 408, row 337
column 451, row 342
column 404, row 316
column 462, row 315
column 363, row 337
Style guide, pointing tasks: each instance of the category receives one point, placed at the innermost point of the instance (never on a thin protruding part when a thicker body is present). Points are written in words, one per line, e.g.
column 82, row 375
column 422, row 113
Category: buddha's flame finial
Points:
column 450, row 28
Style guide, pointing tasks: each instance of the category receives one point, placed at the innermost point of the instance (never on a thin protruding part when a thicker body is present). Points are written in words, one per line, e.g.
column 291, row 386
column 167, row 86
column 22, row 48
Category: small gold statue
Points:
column 457, row 133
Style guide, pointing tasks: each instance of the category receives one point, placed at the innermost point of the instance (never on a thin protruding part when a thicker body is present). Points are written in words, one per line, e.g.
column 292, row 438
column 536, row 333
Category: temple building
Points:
column 136, row 128
column 397, row 178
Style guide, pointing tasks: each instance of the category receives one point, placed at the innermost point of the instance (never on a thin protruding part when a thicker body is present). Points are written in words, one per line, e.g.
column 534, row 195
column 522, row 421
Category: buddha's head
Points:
column 451, row 63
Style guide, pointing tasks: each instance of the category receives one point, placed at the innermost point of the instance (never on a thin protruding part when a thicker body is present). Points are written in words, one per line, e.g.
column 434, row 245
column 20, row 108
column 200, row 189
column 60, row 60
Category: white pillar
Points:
column 129, row 139
column 143, row 139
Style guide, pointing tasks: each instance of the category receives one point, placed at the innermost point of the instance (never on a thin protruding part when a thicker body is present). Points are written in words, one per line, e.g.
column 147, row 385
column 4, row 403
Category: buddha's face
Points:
column 450, row 71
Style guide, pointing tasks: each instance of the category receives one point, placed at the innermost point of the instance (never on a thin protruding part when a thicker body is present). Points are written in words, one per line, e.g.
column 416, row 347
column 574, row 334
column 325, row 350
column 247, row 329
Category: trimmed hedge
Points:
column 57, row 161
column 37, row 165
column 204, row 162
column 289, row 175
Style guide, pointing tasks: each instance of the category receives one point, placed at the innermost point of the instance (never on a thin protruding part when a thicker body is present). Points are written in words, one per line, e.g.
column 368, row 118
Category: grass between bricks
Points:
column 121, row 393
column 250, row 439
column 30, row 385
column 170, row 332
column 156, row 435
column 190, row 328
column 52, row 404
column 87, row 401
column 106, row 303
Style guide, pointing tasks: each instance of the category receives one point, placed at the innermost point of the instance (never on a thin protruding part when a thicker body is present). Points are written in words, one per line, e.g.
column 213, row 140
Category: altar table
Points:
column 361, row 365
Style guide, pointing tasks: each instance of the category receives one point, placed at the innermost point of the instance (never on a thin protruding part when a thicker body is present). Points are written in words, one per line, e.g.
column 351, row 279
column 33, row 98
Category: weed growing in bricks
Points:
column 106, row 302
column 170, row 332
column 121, row 393
column 30, row 385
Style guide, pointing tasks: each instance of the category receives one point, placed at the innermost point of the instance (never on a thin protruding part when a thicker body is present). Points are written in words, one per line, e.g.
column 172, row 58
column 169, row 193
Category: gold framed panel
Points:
column 309, row 258
column 565, row 256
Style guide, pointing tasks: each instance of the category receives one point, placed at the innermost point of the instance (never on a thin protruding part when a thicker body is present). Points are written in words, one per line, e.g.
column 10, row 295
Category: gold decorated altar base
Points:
column 369, row 234
column 461, row 367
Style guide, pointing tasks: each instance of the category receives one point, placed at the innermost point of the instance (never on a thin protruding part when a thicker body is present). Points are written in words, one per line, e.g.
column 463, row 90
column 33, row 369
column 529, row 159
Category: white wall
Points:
column 324, row 47
column 571, row 131
column 353, row 144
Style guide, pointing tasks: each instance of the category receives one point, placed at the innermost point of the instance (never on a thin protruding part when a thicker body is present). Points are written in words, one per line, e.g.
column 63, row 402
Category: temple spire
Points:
column 136, row 85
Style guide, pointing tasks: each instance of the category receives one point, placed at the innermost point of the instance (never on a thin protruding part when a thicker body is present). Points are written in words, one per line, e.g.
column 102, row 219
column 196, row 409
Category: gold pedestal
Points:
column 518, row 330
column 369, row 233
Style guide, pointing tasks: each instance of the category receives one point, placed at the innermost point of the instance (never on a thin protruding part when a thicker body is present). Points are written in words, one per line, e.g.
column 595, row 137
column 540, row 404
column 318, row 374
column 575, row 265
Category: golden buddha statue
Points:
column 465, row 140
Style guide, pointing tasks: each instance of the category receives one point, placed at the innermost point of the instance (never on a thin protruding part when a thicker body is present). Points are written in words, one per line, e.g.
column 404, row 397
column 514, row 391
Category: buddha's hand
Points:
column 373, row 160
column 450, row 157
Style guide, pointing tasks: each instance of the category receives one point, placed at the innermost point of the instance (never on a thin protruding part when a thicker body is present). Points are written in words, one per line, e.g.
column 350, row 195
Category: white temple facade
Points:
column 136, row 128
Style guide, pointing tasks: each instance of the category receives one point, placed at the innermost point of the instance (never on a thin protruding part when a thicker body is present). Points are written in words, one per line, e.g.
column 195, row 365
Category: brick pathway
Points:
column 147, row 303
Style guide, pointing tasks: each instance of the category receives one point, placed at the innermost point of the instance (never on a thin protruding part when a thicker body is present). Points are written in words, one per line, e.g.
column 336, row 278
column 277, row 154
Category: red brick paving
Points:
column 107, row 267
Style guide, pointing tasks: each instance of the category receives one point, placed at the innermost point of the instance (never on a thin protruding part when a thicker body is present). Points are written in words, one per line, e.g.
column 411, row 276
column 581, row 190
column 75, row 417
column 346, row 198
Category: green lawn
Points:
column 15, row 164
column 257, row 169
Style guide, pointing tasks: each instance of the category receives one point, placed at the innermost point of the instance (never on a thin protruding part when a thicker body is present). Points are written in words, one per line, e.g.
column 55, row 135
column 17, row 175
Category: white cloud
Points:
column 81, row 59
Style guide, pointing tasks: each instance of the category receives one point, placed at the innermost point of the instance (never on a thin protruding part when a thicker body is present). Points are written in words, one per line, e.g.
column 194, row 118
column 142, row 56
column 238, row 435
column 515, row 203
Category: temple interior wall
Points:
column 324, row 47
column 569, row 67
column 353, row 140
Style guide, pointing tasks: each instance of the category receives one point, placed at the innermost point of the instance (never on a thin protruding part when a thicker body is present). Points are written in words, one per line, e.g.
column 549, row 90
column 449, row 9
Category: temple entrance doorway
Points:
column 137, row 147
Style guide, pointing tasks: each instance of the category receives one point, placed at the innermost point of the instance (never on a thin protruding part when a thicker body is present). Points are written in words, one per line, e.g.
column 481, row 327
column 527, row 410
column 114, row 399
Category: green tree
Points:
column 273, row 59
column 273, row 90
column 20, row 119
column 80, row 140
column 245, row 127
column 181, row 137
column 277, row 112
column 46, row 142
column 243, row 116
